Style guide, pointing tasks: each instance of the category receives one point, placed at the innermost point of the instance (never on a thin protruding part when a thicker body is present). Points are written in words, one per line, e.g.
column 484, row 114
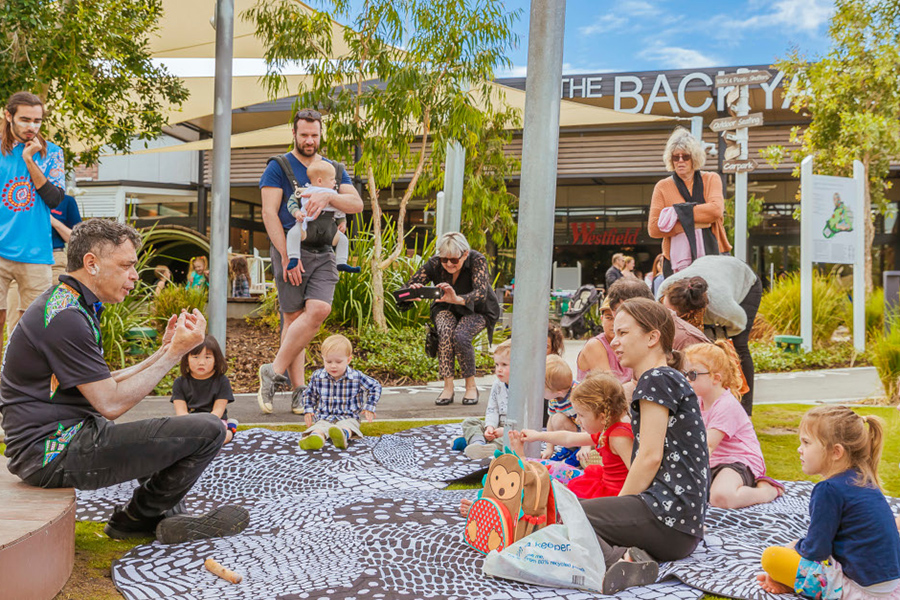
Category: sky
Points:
column 651, row 35
column 648, row 35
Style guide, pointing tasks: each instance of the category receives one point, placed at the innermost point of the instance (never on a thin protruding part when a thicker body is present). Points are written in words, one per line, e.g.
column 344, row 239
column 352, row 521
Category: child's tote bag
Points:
column 560, row 556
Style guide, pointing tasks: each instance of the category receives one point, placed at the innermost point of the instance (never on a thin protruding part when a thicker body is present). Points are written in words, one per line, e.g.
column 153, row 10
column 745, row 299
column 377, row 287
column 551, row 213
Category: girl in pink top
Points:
column 737, row 467
column 597, row 354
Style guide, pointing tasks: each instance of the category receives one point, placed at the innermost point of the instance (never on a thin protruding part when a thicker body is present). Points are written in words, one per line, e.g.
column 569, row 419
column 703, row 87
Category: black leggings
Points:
column 621, row 522
column 455, row 337
column 741, row 341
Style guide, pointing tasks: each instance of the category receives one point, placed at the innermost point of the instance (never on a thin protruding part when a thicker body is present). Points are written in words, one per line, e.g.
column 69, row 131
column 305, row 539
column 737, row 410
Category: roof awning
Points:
column 182, row 34
column 572, row 114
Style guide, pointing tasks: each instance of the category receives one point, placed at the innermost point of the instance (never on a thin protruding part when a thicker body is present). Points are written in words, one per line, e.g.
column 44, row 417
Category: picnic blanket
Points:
column 373, row 522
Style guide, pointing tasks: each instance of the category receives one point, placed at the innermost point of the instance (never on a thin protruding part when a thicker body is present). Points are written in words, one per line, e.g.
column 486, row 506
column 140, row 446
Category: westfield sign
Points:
column 586, row 234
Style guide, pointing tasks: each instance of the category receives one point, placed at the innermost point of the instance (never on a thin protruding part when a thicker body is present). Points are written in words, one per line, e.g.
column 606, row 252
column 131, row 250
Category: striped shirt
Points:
column 344, row 398
column 562, row 405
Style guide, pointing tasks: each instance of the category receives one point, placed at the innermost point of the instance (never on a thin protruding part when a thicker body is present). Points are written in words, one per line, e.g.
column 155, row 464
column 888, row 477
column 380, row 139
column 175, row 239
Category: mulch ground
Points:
column 248, row 346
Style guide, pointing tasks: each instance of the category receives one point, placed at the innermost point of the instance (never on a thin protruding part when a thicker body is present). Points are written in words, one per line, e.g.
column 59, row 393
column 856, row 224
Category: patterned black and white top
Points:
column 678, row 493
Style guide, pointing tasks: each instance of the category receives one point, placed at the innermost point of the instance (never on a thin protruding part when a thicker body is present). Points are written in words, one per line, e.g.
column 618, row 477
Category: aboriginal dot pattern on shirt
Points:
column 677, row 495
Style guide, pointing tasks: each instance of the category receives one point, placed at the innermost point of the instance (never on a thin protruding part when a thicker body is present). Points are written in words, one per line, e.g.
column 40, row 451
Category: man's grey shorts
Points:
column 320, row 275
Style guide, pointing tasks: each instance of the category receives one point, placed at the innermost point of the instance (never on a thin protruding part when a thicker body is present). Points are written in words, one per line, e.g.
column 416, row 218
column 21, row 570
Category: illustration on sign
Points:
column 834, row 203
column 840, row 220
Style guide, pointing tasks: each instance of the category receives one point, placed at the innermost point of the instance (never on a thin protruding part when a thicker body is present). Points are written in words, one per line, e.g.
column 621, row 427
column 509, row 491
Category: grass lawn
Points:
column 775, row 425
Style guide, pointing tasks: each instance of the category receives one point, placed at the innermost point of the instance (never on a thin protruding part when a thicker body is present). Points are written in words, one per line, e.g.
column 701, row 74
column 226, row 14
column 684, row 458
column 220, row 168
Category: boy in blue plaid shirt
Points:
column 335, row 397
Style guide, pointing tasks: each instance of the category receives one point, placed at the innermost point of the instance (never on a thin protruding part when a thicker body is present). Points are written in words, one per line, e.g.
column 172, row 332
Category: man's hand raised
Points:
column 32, row 147
column 190, row 329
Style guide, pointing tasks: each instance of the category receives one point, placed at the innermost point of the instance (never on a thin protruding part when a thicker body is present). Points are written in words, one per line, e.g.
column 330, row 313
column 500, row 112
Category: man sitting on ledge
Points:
column 56, row 394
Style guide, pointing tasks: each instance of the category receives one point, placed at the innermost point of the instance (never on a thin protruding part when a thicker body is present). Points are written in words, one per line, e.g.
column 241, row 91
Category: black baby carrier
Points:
column 320, row 232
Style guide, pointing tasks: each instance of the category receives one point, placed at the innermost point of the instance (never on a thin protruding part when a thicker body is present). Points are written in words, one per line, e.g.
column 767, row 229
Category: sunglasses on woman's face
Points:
column 693, row 375
column 681, row 158
column 450, row 260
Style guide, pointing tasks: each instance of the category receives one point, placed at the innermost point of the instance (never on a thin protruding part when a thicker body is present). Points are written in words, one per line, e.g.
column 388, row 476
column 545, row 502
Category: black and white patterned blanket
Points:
column 373, row 522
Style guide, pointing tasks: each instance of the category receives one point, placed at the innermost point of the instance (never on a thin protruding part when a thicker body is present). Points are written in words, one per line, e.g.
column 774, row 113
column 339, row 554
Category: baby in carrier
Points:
column 322, row 230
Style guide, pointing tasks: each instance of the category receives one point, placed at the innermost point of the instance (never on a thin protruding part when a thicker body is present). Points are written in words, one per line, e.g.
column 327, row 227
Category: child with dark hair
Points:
column 203, row 386
column 240, row 277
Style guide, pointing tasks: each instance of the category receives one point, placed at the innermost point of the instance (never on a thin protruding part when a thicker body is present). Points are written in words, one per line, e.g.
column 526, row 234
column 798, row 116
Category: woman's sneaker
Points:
column 219, row 522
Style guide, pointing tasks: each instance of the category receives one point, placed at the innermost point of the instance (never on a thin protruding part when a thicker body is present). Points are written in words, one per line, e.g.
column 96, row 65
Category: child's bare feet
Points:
column 517, row 443
column 772, row 586
column 464, row 505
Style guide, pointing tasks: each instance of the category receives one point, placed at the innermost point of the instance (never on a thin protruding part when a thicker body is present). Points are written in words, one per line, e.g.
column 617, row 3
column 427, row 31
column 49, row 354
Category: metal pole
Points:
column 859, row 264
column 221, row 173
column 450, row 204
column 534, row 243
column 740, row 178
column 806, row 217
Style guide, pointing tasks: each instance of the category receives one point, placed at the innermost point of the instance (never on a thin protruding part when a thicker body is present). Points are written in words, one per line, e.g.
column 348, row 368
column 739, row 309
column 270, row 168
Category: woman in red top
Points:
column 602, row 410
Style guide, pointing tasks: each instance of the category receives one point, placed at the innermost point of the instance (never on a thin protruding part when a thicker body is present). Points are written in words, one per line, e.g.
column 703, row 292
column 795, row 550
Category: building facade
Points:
column 605, row 175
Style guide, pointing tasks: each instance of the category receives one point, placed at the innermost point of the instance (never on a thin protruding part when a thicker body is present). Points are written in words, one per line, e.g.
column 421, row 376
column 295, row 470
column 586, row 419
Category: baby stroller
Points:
column 578, row 319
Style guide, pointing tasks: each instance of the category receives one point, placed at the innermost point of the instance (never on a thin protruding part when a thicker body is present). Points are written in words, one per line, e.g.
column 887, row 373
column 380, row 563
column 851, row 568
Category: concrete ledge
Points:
column 37, row 538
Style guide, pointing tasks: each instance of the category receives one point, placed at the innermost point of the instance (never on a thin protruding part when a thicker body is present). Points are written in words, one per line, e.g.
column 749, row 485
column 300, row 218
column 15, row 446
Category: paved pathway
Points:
column 410, row 403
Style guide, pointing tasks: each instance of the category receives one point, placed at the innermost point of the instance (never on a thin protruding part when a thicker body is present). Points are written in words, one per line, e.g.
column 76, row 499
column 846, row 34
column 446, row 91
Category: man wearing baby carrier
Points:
column 305, row 292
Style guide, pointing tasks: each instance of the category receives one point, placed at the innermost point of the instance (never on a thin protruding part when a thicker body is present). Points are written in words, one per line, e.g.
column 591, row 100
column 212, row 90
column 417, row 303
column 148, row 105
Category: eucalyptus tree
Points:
column 852, row 95
column 89, row 60
column 403, row 75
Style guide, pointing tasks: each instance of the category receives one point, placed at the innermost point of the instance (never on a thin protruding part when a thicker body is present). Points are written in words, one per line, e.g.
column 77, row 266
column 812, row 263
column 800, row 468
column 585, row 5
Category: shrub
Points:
column 267, row 311
column 884, row 352
column 172, row 299
column 352, row 305
column 767, row 357
column 780, row 306
column 874, row 313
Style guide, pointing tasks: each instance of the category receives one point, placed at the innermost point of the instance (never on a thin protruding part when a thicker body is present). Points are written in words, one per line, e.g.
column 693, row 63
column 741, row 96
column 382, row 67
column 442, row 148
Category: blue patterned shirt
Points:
column 24, row 221
column 334, row 400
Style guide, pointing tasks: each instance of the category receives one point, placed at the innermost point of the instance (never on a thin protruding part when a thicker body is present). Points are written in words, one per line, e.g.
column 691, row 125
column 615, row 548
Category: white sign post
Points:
column 737, row 159
column 832, row 230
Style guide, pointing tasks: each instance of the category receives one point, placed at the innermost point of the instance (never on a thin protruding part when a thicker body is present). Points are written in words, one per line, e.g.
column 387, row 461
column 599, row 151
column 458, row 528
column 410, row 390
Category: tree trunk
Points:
column 870, row 231
column 377, row 252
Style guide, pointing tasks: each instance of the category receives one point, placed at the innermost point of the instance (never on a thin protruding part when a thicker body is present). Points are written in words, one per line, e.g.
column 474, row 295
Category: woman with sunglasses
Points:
column 687, row 209
column 467, row 306
column 660, row 510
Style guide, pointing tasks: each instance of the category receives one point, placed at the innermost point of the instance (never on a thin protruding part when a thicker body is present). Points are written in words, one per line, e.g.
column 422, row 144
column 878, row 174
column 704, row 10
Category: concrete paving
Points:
column 851, row 385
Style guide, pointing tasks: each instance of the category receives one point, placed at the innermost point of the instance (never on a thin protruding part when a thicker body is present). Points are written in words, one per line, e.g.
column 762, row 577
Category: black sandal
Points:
column 445, row 401
column 470, row 401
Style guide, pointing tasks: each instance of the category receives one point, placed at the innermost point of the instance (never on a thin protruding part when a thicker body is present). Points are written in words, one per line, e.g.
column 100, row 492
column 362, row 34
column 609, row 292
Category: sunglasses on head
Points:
column 451, row 260
column 681, row 158
column 693, row 375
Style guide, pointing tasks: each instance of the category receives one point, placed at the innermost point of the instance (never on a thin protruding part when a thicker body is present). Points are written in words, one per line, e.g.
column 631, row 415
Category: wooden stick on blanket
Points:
column 217, row 569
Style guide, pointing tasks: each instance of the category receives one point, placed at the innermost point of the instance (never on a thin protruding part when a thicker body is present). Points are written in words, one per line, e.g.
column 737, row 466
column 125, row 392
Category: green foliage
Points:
column 268, row 310
column 353, row 294
column 488, row 213
column 91, row 63
column 768, row 358
column 780, row 306
column 884, row 352
column 172, row 300
column 434, row 62
column 754, row 214
column 874, row 313
column 852, row 95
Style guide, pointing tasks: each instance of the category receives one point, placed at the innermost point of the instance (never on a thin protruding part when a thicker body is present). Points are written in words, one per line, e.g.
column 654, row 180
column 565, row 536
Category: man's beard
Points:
column 19, row 133
column 306, row 150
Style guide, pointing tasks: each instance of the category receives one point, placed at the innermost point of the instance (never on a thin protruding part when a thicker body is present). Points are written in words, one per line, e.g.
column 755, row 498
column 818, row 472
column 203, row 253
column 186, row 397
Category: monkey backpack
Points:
column 516, row 500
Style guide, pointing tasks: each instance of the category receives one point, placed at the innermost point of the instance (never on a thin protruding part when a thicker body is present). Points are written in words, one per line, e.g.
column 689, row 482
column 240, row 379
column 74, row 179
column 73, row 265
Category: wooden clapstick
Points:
column 220, row 571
